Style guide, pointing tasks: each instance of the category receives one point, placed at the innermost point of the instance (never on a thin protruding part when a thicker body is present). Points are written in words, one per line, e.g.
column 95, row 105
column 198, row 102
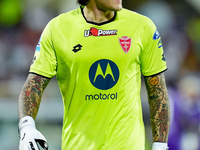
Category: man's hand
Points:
column 159, row 146
column 30, row 137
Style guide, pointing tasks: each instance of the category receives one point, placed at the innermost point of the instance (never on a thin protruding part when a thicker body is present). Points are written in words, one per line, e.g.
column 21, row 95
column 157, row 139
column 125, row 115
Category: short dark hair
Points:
column 83, row 2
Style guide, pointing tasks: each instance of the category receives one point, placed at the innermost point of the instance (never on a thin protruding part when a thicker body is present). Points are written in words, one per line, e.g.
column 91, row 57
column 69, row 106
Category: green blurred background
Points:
column 178, row 21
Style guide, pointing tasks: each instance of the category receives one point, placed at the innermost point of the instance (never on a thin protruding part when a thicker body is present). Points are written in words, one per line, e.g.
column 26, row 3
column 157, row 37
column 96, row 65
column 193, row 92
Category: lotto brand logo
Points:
column 99, row 32
column 104, row 74
column 77, row 48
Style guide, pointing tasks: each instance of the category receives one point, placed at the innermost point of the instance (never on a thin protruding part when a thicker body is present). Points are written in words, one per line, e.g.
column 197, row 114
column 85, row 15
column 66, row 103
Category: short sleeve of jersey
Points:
column 152, row 57
column 44, row 61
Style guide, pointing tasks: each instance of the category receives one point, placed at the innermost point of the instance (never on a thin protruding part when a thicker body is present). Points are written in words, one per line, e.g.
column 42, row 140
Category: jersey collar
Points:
column 99, row 24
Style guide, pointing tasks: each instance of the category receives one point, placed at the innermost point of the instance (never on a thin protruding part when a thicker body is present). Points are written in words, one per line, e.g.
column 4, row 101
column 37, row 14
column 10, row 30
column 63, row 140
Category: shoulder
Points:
column 135, row 17
column 65, row 18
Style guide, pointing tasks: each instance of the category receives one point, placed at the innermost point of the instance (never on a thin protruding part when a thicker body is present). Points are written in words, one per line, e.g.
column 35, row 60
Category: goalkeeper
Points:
column 98, row 53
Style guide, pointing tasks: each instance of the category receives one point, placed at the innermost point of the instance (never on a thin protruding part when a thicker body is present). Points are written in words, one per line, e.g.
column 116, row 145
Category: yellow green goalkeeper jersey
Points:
column 98, row 69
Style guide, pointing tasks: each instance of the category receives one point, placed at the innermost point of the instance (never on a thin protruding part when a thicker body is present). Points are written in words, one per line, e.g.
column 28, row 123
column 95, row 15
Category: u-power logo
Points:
column 103, row 75
column 99, row 32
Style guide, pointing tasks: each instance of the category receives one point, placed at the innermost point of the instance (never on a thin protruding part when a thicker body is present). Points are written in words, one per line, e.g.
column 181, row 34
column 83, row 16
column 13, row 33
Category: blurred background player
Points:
column 185, row 114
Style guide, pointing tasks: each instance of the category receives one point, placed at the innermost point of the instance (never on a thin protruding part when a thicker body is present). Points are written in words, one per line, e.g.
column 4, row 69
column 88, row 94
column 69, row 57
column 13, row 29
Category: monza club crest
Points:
column 125, row 43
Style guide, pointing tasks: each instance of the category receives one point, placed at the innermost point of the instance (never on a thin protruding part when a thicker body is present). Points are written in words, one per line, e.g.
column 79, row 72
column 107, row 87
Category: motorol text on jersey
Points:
column 101, row 96
column 99, row 32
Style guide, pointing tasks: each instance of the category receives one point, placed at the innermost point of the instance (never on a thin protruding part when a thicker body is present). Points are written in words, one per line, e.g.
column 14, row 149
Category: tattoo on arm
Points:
column 31, row 94
column 159, row 107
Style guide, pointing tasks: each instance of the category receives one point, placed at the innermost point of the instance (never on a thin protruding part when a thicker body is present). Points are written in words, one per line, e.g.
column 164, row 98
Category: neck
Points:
column 93, row 14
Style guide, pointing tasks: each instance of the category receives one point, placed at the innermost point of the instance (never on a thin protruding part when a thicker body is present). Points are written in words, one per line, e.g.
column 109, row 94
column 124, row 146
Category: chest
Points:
column 101, row 55
column 91, row 42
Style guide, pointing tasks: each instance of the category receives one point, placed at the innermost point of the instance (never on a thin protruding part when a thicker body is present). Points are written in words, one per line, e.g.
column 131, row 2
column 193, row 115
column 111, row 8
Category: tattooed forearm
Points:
column 159, row 107
column 31, row 94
